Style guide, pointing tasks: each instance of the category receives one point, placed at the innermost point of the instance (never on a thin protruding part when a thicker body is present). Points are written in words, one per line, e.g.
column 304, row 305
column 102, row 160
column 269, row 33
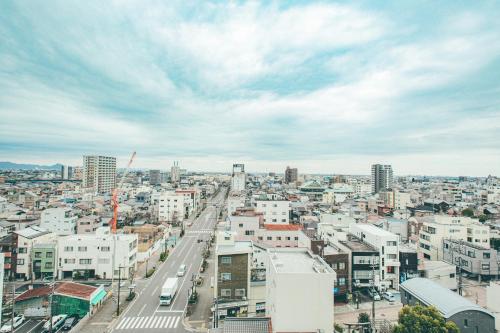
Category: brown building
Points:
column 339, row 261
column 291, row 175
column 232, row 271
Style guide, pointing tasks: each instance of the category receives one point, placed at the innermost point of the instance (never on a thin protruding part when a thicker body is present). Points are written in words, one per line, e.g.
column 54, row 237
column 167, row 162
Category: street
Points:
column 145, row 313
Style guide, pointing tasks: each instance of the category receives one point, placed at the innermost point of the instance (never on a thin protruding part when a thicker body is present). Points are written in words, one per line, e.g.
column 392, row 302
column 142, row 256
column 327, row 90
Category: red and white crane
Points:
column 114, row 199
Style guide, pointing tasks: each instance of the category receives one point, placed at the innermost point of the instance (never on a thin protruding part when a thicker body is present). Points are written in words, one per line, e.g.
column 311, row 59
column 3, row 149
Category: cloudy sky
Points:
column 327, row 86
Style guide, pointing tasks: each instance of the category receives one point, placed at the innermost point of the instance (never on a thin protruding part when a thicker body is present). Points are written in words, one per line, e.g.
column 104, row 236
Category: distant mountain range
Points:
column 16, row 166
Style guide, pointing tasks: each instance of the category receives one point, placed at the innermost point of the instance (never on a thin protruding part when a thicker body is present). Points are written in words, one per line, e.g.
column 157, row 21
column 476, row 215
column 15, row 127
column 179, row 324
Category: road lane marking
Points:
column 168, row 322
column 123, row 322
column 154, row 291
column 131, row 323
column 170, row 311
column 142, row 309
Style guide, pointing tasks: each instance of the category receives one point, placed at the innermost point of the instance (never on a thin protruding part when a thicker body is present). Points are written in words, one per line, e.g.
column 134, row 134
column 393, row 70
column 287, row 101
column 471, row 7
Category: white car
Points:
column 182, row 270
column 389, row 296
column 374, row 294
column 18, row 320
column 57, row 322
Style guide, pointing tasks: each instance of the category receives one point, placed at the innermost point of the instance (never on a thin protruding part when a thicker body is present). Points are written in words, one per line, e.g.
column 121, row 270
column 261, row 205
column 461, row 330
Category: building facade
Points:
column 60, row 221
column 382, row 177
column 99, row 173
column 291, row 175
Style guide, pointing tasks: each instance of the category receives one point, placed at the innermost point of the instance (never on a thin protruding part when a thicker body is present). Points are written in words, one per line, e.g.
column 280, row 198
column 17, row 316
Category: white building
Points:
column 239, row 178
column 175, row 173
column 98, row 254
column 60, row 221
column 26, row 238
column 99, row 173
column 171, row 207
column 387, row 244
column 441, row 227
column 274, row 211
column 440, row 272
column 234, row 202
column 402, row 200
column 299, row 291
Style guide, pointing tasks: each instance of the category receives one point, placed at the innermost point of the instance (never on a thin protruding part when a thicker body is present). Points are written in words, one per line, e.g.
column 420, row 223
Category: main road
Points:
column 145, row 313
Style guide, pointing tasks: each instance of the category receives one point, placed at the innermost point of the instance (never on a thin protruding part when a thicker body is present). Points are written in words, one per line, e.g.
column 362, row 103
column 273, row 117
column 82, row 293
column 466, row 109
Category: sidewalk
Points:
column 101, row 321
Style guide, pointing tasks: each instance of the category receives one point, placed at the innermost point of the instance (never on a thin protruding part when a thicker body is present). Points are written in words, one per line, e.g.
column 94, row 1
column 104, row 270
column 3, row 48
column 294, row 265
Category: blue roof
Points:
column 446, row 301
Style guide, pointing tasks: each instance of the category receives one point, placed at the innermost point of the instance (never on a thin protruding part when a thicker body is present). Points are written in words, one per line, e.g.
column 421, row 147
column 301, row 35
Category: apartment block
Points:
column 387, row 245
column 99, row 173
column 101, row 254
column 274, row 211
column 171, row 207
column 476, row 260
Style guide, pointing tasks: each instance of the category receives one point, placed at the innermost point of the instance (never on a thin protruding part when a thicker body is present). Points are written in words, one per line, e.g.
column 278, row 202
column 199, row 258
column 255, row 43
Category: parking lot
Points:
column 30, row 326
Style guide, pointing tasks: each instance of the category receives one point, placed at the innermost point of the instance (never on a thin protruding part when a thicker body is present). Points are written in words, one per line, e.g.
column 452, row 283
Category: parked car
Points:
column 182, row 270
column 374, row 294
column 69, row 323
column 389, row 296
column 57, row 322
column 7, row 327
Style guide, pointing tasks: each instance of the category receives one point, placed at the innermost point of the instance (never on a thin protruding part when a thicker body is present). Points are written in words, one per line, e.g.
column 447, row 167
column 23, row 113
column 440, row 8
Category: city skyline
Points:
column 324, row 87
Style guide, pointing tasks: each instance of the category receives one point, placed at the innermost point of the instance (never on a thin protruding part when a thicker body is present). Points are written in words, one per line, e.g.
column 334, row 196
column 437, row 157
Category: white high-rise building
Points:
column 66, row 172
column 239, row 178
column 99, row 173
column 381, row 177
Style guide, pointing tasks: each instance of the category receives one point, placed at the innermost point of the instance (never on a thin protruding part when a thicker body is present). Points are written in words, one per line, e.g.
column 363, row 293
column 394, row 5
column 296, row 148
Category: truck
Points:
column 168, row 291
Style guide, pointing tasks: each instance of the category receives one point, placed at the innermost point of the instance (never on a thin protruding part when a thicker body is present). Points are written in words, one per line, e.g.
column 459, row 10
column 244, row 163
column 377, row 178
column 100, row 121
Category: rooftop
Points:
column 283, row 227
column 32, row 232
column 71, row 289
column 446, row 301
column 295, row 260
column 355, row 244
column 234, row 247
column 371, row 229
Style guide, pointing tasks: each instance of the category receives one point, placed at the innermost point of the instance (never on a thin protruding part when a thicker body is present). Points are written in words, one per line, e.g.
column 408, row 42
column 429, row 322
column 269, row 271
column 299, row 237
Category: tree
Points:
column 423, row 319
column 363, row 318
column 483, row 218
column 468, row 212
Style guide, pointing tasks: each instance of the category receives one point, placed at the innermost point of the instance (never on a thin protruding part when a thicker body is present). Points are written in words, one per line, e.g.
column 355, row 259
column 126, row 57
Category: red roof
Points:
column 283, row 227
column 71, row 289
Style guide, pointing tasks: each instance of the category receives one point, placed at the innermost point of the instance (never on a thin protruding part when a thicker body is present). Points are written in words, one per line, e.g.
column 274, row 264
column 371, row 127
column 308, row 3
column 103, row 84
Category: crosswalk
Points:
column 151, row 322
column 203, row 231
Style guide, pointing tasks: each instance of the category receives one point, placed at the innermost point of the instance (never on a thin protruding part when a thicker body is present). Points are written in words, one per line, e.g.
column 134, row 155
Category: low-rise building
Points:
column 469, row 317
column 60, row 221
column 291, row 306
column 88, row 224
column 98, row 255
column 27, row 238
column 440, row 272
column 474, row 259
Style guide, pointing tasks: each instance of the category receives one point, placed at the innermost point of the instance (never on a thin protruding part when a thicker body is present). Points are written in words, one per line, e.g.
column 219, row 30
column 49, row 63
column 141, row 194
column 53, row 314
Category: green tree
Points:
column 423, row 319
column 468, row 212
column 363, row 317
column 483, row 218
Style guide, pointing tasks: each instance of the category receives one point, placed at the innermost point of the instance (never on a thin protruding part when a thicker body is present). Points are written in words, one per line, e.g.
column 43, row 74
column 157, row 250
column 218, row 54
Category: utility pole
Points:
column 373, row 291
column 459, row 270
column 119, row 286
column 52, row 301
column 13, row 306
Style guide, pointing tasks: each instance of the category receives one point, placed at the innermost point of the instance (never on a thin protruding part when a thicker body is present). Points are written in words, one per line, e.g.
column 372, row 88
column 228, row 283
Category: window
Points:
column 69, row 261
column 260, row 238
column 341, row 265
column 105, row 249
column 341, row 281
column 22, row 250
column 296, row 238
column 48, row 265
column 283, row 220
column 241, row 226
column 38, row 254
column 466, row 322
column 334, row 265
column 274, row 220
column 485, row 267
column 239, row 292
column 50, row 254
column 82, row 249
column 85, row 261
column 226, row 260
column 269, row 238
column 452, row 275
column 391, row 243
column 68, row 249
column 283, row 213
column 249, row 232
column 225, row 292
column 103, row 261
column 288, row 238
column 278, row 238
column 20, row 262
column 225, row 276
column 486, row 255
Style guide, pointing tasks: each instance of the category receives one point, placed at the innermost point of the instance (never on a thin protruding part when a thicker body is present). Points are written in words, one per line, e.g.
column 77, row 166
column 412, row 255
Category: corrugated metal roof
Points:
column 445, row 300
column 247, row 325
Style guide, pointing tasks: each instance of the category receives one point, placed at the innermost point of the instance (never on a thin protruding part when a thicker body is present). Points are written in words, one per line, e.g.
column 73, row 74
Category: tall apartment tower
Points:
column 381, row 177
column 66, row 172
column 99, row 173
column 175, row 173
column 239, row 178
column 291, row 175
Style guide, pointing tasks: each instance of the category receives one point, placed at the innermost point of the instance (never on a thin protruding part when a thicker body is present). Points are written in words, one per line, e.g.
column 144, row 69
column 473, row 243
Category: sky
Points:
column 328, row 87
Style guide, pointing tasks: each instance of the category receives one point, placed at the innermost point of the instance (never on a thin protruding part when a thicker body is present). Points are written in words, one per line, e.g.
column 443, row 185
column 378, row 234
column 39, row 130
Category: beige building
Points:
column 99, row 173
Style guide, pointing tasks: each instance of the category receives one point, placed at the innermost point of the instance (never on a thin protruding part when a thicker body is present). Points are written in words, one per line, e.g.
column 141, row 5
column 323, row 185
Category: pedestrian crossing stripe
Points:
column 148, row 322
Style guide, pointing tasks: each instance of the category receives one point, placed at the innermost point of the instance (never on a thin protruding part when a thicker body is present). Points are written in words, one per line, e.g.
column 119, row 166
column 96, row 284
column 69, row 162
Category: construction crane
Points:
column 114, row 199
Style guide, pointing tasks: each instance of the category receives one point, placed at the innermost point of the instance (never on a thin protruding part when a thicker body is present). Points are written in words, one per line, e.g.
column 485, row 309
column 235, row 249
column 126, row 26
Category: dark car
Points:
column 69, row 323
